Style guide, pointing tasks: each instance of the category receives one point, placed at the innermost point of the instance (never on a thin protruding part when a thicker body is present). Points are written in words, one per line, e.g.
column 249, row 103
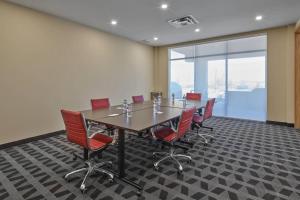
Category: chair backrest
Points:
column 138, row 99
column 100, row 103
column 185, row 121
column 193, row 96
column 75, row 127
column 209, row 108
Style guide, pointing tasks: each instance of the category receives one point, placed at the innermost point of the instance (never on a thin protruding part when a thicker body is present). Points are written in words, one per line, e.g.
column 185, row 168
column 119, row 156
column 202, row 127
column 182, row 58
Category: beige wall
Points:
column 47, row 63
column 280, row 74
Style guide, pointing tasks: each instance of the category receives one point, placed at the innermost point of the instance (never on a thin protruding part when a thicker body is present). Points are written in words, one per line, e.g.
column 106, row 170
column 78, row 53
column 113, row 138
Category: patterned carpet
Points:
column 249, row 160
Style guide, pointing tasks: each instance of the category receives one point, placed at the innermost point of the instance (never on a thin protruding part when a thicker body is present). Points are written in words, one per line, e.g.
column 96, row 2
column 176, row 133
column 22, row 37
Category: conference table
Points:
column 141, row 117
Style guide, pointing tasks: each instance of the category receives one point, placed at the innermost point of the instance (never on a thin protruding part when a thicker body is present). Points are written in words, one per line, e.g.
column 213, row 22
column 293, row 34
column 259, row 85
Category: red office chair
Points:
column 98, row 104
column 138, row 99
column 170, row 136
column 78, row 133
column 198, row 120
column 193, row 96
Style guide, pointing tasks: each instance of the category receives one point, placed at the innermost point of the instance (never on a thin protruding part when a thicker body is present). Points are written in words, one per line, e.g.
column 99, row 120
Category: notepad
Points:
column 159, row 112
column 113, row 115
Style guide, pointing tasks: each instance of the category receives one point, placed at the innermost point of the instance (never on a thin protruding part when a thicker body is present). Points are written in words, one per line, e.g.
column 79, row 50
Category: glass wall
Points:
column 233, row 72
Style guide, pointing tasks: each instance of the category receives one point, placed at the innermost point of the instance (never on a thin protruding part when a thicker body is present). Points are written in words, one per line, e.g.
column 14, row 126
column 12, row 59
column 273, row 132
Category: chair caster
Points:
column 66, row 178
column 83, row 188
column 156, row 168
column 111, row 180
column 139, row 193
column 74, row 158
column 189, row 161
column 179, row 171
column 109, row 164
column 154, row 156
column 205, row 143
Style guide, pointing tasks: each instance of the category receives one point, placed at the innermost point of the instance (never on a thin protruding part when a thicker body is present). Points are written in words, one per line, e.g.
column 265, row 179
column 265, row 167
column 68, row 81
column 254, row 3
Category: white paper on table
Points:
column 113, row 115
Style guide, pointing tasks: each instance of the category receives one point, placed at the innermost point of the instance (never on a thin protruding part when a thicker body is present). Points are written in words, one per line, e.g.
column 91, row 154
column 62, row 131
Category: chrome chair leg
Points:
column 75, row 172
column 90, row 168
column 203, row 138
column 111, row 176
column 162, row 159
column 183, row 156
column 173, row 156
column 180, row 168
column 82, row 186
column 207, row 135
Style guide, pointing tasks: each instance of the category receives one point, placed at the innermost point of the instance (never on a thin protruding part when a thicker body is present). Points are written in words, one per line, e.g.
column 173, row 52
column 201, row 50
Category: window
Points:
column 233, row 72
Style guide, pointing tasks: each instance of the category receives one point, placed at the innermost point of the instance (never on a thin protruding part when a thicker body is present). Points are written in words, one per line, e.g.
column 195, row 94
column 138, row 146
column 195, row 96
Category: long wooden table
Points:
column 142, row 117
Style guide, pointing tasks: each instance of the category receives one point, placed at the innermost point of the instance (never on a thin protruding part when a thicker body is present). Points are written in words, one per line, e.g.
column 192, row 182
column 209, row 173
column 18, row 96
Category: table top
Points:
column 142, row 119
column 180, row 103
column 142, row 116
column 113, row 110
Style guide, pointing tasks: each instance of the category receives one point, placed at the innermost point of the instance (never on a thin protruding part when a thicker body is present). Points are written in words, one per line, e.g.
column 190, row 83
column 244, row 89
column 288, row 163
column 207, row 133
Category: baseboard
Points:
column 280, row 123
column 267, row 122
column 240, row 119
column 35, row 138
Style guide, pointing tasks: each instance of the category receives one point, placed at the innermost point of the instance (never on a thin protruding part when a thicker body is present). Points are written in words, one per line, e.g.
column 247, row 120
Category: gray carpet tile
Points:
column 248, row 161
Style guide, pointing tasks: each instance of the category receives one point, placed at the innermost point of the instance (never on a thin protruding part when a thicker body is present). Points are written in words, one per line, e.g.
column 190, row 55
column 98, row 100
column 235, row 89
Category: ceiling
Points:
column 142, row 20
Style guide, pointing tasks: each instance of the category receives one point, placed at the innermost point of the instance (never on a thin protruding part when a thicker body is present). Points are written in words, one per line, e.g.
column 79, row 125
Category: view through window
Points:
column 233, row 72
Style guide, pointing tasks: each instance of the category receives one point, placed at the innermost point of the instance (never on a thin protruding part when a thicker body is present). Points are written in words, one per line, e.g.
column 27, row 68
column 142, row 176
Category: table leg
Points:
column 121, row 162
column 121, row 152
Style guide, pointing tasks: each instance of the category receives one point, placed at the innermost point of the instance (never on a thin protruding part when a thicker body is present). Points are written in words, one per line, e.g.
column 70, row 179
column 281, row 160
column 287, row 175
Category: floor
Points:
column 249, row 160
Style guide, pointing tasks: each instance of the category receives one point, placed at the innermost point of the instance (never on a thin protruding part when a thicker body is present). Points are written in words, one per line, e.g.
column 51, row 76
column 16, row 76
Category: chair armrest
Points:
column 95, row 133
column 115, row 137
column 153, row 133
column 173, row 127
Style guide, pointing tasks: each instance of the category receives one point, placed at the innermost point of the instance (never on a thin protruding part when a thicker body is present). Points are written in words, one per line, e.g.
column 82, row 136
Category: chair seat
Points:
column 99, row 141
column 166, row 134
column 198, row 118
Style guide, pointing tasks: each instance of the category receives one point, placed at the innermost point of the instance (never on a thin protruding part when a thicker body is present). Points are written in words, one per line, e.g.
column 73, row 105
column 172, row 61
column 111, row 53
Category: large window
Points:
column 233, row 72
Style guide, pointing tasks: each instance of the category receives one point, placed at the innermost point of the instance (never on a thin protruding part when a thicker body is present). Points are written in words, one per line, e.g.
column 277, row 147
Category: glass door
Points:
column 232, row 71
column 210, row 80
column 181, row 77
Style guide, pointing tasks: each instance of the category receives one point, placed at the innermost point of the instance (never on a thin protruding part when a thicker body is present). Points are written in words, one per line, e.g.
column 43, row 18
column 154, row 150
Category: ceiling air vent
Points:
column 183, row 21
column 145, row 41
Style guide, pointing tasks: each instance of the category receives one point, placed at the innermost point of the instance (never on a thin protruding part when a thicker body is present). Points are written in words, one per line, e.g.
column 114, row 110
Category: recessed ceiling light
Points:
column 113, row 22
column 197, row 30
column 258, row 18
column 164, row 6
column 155, row 38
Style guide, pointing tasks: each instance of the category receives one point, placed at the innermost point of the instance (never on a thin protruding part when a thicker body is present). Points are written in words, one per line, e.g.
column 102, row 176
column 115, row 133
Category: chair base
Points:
column 89, row 169
column 171, row 155
column 204, row 136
